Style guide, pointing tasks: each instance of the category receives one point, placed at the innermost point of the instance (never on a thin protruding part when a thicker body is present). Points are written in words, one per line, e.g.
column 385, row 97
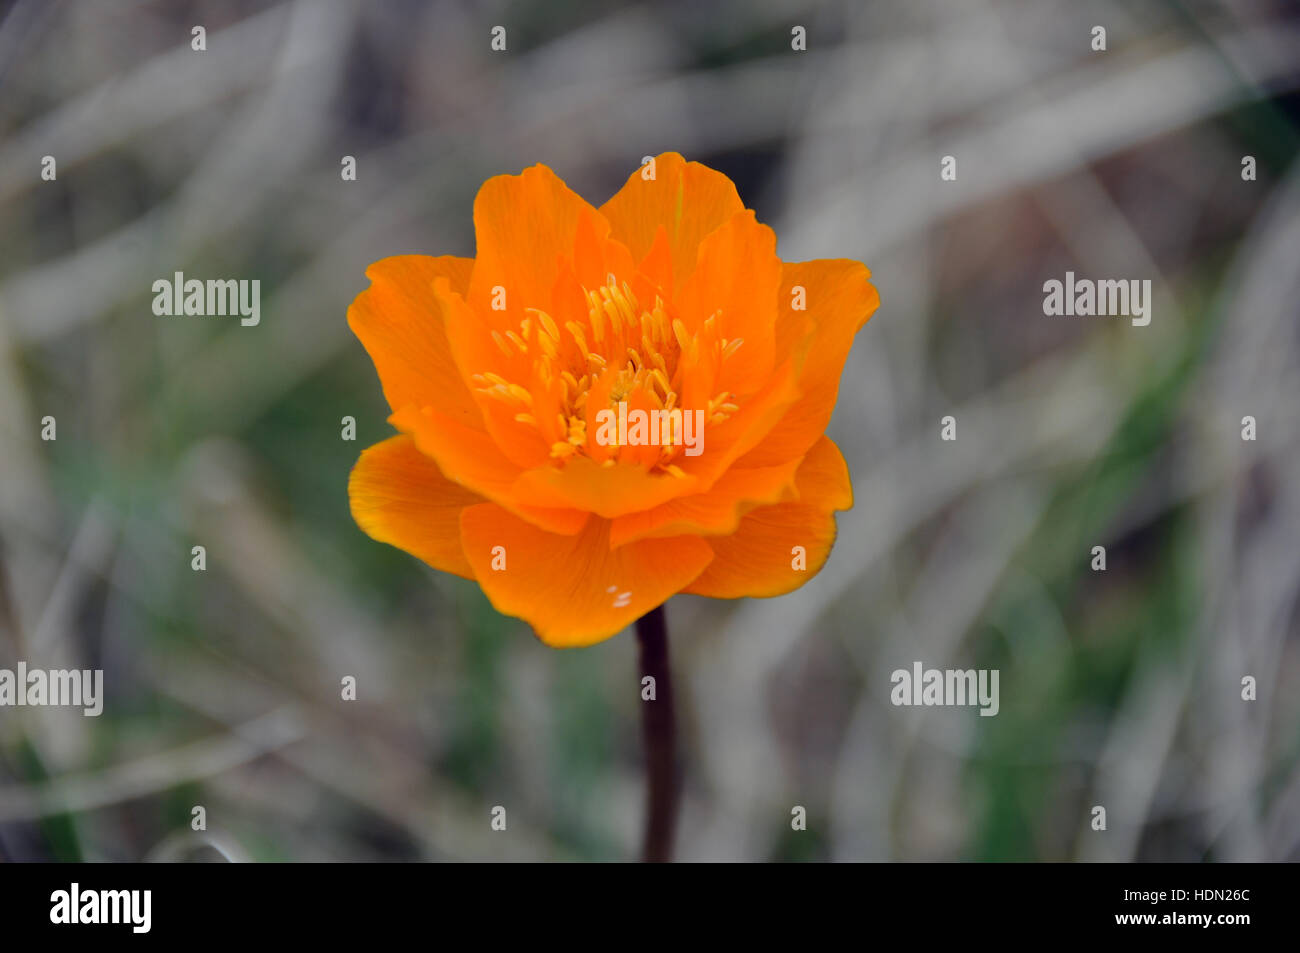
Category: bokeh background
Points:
column 1119, row 688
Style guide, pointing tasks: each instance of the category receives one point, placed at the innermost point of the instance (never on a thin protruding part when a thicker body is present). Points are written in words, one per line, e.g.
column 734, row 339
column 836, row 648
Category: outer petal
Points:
column 688, row 199
column 575, row 590
column 524, row 225
column 840, row 299
column 823, row 477
column 470, row 458
column 716, row 512
column 759, row 559
column 401, row 325
column 399, row 496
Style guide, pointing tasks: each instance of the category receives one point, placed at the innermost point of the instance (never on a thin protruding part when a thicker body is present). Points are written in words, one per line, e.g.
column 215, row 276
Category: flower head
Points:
column 609, row 406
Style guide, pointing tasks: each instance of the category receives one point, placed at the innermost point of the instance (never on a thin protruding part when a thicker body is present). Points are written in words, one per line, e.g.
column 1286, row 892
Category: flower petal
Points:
column 476, row 353
column 715, row 512
column 470, row 457
column 607, row 491
column 840, row 299
column 761, row 557
column 728, row 443
column 823, row 477
column 524, row 226
column 690, row 200
column 399, row 496
column 400, row 323
column 574, row 590
column 737, row 278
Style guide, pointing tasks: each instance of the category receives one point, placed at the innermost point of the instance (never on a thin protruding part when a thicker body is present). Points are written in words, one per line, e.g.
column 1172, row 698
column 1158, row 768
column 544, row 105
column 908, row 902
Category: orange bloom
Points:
column 511, row 376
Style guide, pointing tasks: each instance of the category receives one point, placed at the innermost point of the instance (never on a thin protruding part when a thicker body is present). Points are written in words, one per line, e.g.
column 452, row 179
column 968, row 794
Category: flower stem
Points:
column 659, row 730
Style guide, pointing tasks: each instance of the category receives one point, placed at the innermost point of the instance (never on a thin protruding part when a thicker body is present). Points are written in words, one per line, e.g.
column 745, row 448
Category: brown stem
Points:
column 660, row 733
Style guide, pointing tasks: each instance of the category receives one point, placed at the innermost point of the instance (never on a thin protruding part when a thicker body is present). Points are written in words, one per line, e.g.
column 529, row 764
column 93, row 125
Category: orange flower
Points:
column 517, row 379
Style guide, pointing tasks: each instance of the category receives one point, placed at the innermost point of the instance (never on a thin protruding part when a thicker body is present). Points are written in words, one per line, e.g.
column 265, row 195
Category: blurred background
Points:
column 1120, row 688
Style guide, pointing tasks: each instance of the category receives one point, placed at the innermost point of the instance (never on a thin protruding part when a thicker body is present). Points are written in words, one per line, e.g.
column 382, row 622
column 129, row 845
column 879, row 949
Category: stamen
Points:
column 649, row 350
column 575, row 329
column 549, row 324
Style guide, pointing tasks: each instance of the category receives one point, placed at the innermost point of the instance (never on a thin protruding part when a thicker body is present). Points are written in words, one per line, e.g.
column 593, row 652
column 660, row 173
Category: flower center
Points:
column 622, row 351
